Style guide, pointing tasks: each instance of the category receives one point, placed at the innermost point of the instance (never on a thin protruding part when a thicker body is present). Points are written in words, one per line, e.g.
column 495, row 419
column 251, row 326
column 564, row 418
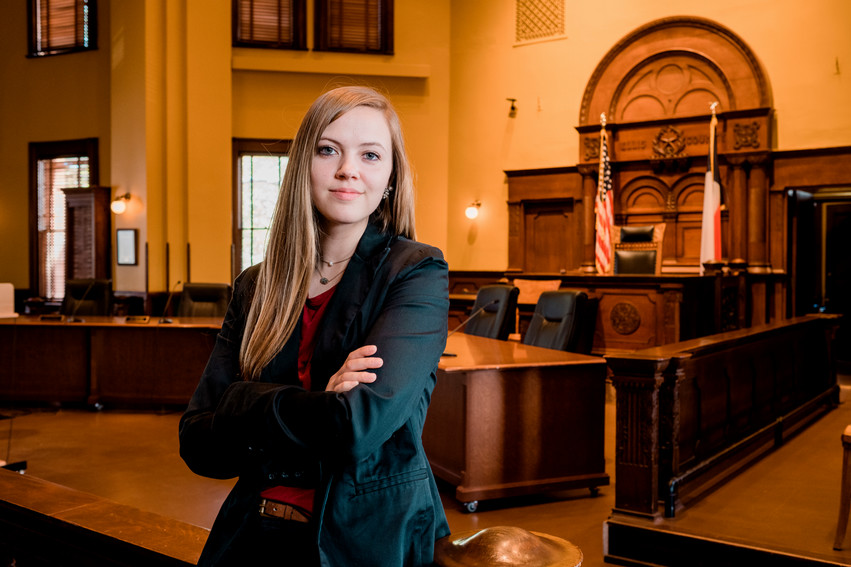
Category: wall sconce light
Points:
column 119, row 204
column 512, row 112
column 472, row 210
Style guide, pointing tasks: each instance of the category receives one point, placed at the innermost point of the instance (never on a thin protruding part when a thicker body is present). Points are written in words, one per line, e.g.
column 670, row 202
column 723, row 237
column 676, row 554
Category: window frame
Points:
column 323, row 42
column 91, row 37
column 87, row 147
column 299, row 28
column 243, row 147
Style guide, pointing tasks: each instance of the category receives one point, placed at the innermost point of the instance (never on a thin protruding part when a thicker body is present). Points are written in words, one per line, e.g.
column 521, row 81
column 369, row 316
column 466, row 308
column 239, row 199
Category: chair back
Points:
column 638, row 249
column 204, row 300
column 496, row 320
column 556, row 321
column 87, row 296
column 7, row 300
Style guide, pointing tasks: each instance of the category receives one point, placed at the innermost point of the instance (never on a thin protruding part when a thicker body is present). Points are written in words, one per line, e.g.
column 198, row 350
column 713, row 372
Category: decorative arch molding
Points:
column 687, row 193
column 644, row 195
column 670, row 84
column 675, row 41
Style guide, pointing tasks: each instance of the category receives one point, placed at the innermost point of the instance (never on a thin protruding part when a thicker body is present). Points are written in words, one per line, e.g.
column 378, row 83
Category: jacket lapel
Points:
column 341, row 325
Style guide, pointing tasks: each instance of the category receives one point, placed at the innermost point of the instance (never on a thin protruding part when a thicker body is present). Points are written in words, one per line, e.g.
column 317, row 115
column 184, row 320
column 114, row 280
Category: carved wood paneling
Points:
column 553, row 234
column 89, row 244
column 731, row 394
column 676, row 84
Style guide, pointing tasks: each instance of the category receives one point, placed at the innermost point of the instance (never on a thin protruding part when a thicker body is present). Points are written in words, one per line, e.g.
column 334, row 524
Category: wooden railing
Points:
column 691, row 413
column 42, row 523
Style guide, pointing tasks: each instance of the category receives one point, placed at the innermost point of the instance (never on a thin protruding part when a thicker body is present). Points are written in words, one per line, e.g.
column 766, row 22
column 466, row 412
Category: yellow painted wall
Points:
column 43, row 100
column 209, row 147
column 130, row 157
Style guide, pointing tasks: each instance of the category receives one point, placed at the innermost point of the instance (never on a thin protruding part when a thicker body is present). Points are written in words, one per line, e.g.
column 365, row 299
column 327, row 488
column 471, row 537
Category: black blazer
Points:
column 376, row 501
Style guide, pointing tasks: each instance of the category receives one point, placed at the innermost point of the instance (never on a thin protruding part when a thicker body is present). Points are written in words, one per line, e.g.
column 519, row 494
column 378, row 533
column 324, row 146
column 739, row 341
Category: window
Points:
column 355, row 26
column 276, row 24
column 359, row 26
column 260, row 166
column 61, row 26
column 55, row 166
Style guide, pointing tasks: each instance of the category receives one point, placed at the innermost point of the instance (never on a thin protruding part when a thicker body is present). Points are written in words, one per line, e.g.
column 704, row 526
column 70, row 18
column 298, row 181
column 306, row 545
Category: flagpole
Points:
column 713, row 124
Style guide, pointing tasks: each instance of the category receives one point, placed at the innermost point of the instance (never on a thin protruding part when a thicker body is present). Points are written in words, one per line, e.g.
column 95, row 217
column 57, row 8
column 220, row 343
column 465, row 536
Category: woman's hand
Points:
column 353, row 371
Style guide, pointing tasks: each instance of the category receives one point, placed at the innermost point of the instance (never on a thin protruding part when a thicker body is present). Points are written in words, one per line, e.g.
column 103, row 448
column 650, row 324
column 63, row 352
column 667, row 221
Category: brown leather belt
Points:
column 274, row 509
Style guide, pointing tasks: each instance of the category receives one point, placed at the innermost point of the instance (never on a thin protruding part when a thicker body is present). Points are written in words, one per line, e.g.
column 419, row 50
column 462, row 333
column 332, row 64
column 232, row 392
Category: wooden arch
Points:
column 674, row 67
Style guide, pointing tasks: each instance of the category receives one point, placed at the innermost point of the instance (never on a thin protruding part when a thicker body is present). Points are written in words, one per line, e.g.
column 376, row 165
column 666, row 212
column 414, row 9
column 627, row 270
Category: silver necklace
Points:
column 330, row 263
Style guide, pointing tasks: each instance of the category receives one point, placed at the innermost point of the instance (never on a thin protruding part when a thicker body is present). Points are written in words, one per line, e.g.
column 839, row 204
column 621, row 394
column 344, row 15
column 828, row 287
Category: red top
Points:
column 314, row 308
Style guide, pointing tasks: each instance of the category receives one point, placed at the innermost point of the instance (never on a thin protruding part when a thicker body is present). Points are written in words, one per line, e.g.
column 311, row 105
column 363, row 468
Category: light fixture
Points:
column 472, row 210
column 119, row 204
column 512, row 112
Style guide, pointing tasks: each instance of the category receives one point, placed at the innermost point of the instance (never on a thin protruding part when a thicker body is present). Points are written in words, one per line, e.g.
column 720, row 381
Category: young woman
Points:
column 316, row 391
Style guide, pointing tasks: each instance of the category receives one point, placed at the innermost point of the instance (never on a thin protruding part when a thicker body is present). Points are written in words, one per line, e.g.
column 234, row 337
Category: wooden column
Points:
column 637, row 382
column 589, row 192
column 738, row 207
column 757, row 214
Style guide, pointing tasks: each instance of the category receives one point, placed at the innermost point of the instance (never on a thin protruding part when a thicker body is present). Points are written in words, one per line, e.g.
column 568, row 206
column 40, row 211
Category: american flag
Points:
column 604, row 209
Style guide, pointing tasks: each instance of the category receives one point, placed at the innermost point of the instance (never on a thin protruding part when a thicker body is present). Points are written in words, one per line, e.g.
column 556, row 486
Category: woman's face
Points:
column 351, row 167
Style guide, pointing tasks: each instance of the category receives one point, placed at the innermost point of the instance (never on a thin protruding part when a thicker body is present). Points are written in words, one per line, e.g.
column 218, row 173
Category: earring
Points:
column 387, row 192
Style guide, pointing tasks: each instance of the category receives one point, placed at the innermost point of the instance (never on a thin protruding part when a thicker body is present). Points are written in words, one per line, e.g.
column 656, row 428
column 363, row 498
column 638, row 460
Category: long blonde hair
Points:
column 292, row 250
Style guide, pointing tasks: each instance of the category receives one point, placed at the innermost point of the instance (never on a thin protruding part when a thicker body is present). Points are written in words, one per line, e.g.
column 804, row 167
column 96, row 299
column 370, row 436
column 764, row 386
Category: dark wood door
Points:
column 553, row 238
column 837, row 273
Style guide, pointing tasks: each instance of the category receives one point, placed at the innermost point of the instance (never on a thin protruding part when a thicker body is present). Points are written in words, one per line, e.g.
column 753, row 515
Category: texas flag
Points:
column 710, row 235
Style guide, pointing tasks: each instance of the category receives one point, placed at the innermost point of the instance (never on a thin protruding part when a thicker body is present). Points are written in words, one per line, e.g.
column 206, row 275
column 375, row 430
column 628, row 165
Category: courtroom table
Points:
column 507, row 419
column 104, row 359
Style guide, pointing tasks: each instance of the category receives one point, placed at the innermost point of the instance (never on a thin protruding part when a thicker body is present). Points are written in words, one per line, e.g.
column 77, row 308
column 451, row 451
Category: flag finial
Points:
column 603, row 119
column 712, row 106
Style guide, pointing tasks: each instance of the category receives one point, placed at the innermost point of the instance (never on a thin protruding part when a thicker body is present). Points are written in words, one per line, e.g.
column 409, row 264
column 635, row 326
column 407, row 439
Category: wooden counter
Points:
column 507, row 419
column 104, row 359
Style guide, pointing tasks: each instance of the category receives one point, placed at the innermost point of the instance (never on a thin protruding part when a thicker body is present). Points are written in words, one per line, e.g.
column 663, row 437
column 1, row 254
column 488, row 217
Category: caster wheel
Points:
column 471, row 506
column 594, row 491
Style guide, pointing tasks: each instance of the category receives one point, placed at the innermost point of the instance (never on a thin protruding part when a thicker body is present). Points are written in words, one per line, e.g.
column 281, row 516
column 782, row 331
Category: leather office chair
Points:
column 530, row 291
column 638, row 249
column 87, row 297
column 557, row 321
column 496, row 320
column 204, row 300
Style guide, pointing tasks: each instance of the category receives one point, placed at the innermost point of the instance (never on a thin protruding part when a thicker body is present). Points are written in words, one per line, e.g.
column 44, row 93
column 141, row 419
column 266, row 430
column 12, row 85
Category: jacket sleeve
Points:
column 218, row 454
column 409, row 330
column 408, row 327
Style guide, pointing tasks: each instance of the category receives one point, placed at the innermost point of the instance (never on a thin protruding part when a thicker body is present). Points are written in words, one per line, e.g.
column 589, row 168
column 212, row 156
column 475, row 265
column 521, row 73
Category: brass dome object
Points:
column 505, row 546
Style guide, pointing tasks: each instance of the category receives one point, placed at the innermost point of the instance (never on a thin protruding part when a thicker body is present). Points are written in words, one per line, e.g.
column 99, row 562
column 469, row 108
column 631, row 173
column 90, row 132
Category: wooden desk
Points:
column 508, row 419
column 104, row 359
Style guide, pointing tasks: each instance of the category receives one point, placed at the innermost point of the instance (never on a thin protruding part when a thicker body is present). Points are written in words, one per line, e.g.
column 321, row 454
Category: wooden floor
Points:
column 788, row 501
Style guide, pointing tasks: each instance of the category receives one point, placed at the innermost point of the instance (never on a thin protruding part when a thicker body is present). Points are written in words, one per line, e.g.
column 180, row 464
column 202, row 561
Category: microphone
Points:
column 73, row 317
column 163, row 319
column 472, row 316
